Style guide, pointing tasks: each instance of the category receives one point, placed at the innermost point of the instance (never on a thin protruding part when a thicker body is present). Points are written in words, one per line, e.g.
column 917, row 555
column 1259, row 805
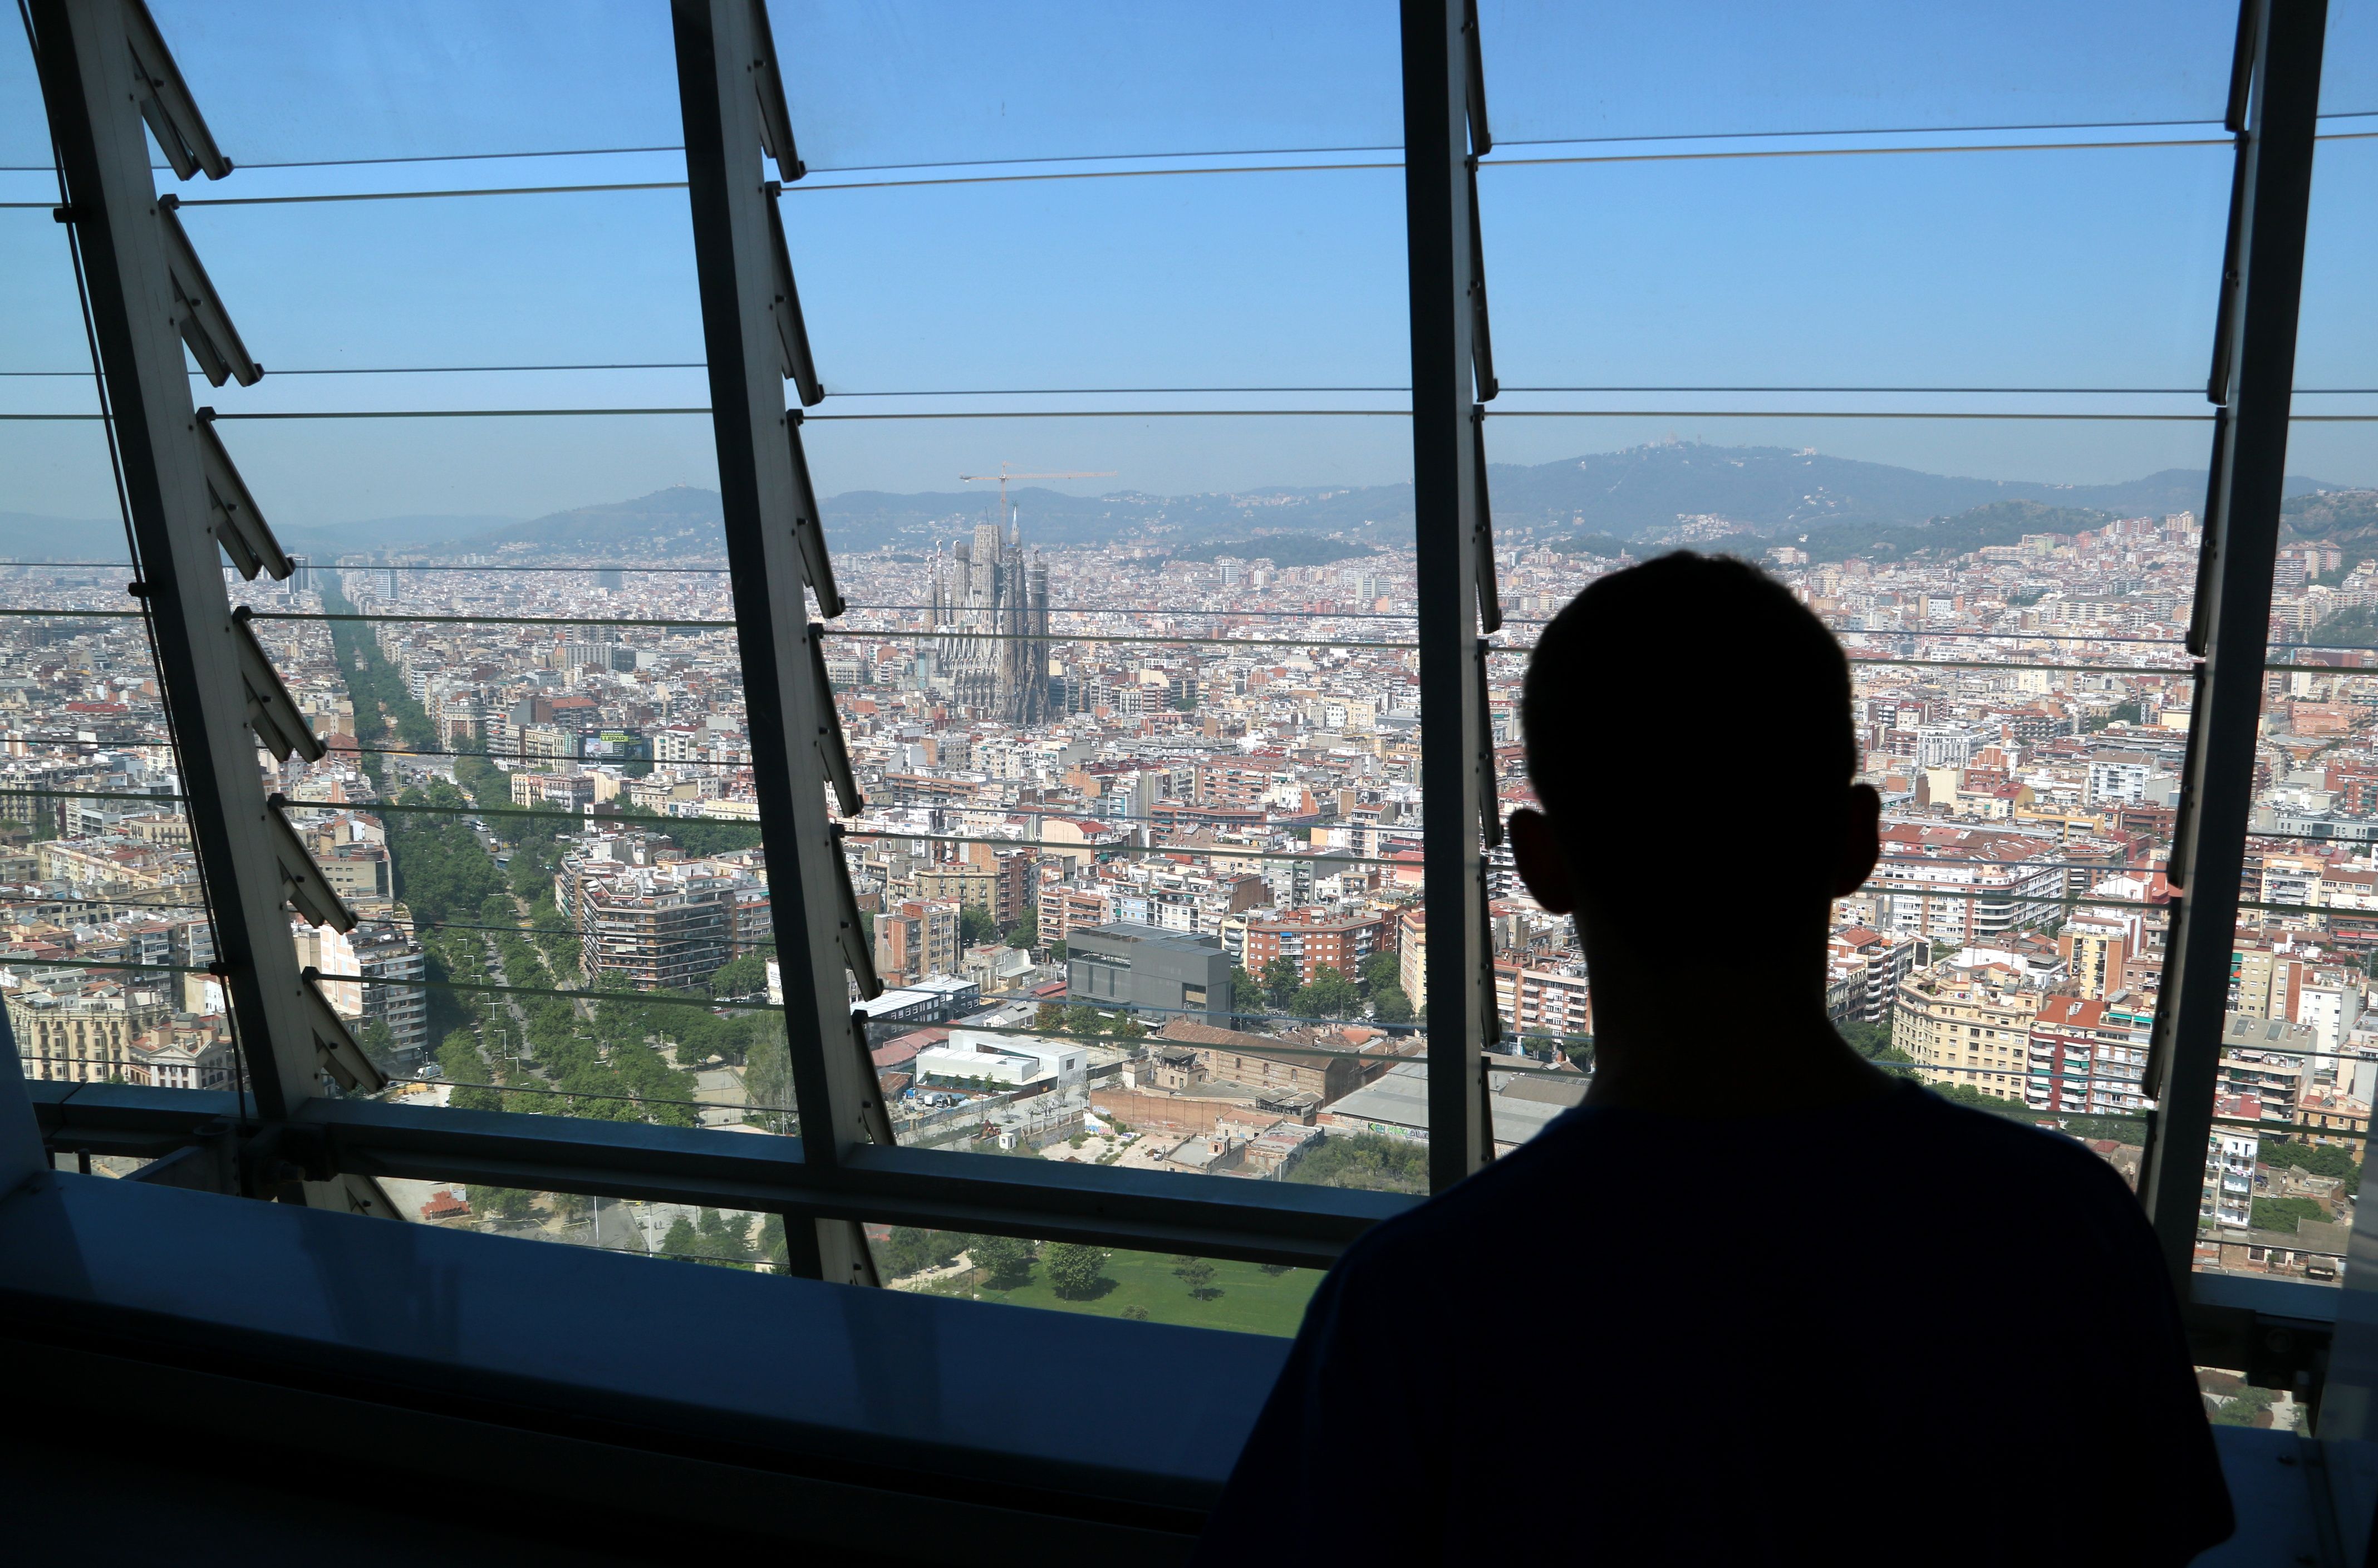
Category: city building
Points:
column 1968, row 1026
column 1314, row 939
column 1143, row 969
column 915, row 938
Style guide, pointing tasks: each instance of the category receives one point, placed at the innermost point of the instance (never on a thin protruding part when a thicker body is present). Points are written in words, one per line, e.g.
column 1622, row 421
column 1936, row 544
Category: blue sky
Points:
column 2087, row 267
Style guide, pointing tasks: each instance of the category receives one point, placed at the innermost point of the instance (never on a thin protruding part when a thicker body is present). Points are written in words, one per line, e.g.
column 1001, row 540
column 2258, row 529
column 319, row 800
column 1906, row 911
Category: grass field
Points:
column 1248, row 1300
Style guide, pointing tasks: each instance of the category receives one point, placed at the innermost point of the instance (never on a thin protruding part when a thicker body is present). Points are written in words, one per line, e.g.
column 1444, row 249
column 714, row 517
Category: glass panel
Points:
column 2008, row 556
column 2278, row 1199
column 24, row 130
column 908, row 83
column 1774, row 273
column 2231, row 1400
column 281, row 80
column 1142, row 886
column 678, row 1232
column 1557, row 71
column 339, row 287
column 2348, row 68
column 2300, row 1057
column 102, row 919
column 1291, row 279
column 1072, row 1277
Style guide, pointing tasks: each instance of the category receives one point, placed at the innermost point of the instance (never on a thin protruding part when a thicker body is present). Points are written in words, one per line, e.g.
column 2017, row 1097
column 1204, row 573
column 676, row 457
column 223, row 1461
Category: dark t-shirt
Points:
column 1898, row 1331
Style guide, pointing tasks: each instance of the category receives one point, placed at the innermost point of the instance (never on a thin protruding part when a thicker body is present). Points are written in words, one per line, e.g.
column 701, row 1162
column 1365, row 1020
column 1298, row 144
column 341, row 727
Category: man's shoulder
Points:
column 1513, row 1189
column 1912, row 1132
column 2009, row 1145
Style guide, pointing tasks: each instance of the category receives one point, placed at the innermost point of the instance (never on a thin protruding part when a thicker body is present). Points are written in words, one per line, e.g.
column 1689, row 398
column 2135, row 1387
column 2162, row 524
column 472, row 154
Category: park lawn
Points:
column 1251, row 1301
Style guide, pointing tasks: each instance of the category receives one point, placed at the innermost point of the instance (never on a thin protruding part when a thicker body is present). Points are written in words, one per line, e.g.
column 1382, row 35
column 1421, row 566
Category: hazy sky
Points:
column 2039, row 268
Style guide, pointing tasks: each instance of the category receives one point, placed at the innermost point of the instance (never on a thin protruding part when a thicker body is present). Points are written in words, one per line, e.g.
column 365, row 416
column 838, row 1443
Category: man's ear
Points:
column 1861, row 844
column 1536, row 852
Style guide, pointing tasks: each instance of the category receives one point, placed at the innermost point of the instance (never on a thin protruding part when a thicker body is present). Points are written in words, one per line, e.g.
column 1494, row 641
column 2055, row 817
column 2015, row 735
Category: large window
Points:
column 1069, row 362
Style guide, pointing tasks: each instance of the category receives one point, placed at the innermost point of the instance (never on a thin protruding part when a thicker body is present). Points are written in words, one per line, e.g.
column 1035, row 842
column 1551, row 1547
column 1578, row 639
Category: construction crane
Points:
column 1004, row 476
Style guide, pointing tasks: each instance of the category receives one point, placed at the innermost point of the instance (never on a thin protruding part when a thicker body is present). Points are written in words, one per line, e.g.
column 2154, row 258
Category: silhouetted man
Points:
column 1755, row 1301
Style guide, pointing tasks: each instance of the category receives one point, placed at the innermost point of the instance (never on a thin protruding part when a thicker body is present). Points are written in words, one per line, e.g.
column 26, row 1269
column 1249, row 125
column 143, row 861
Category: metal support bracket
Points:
column 1446, row 491
column 755, row 341
column 104, row 67
column 2275, row 95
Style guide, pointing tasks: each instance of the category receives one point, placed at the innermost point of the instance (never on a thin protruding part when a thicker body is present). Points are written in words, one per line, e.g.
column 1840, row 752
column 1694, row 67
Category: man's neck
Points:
column 1665, row 1042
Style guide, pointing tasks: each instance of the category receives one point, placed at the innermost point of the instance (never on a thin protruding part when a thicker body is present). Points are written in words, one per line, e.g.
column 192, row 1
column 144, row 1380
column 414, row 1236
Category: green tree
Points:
column 463, row 1067
column 380, row 1045
column 1328, row 995
column 1281, row 979
column 1578, row 1048
column 911, row 1251
column 1026, row 933
column 1390, row 1005
column 1074, row 1269
column 2247, row 1408
column 1364, row 1160
column 773, row 1248
column 1869, row 1040
column 1057, row 951
column 976, row 925
column 1379, row 972
column 2313, row 1159
column 1246, row 994
column 1005, row 1261
column 2285, row 1214
column 724, row 1238
column 745, row 975
column 1083, row 1019
column 768, row 1073
column 507, row 1203
column 683, row 1242
column 1197, row 1273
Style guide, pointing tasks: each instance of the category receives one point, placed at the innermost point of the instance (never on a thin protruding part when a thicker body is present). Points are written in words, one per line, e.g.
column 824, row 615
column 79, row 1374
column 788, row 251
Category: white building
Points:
column 1004, row 1061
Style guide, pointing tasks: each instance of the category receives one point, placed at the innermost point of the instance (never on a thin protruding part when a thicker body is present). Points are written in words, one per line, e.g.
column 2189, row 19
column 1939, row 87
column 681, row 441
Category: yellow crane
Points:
column 1003, row 476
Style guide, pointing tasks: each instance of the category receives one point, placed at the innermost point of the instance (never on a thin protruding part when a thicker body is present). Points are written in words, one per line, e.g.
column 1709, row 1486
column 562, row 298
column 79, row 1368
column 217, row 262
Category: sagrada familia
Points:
column 986, row 587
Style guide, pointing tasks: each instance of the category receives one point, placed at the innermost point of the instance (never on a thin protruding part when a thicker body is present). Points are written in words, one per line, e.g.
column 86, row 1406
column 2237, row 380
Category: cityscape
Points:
column 1140, row 855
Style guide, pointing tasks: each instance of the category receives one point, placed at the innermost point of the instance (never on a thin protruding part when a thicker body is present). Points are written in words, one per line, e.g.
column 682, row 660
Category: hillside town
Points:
column 1140, row 857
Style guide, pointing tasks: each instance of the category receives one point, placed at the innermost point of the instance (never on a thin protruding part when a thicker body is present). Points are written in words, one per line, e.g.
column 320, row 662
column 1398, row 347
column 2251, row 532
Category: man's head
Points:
column 1688, row 734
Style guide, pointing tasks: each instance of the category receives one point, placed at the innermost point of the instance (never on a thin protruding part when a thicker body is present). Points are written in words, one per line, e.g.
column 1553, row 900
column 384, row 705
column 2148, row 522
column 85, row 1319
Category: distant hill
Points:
column 1281, row 549
column 2000, row 523
column 2346, row 519
column 1640, row 494
column 1644, row 490
column 667, row 523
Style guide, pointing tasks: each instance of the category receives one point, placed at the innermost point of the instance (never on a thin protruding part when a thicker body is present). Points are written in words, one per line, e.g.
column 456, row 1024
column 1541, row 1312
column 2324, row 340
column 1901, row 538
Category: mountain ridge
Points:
column 1637, row 497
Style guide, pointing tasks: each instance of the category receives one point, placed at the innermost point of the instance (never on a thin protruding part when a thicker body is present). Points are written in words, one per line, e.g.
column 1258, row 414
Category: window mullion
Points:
column 732, row 100
column 2279, row 60
column 148, row 293
column 1457, row 769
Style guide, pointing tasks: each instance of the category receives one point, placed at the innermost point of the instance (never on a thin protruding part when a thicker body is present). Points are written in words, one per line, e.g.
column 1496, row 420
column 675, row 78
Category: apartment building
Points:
column 2094, row 951
column 915, row 938
column 1969, row 1026
column 661, row 927
column 1542, row 999
column 385, row 954
column 1312, row 938
column 86, row 1035
column 187, row 1052
column 1868, row 966
column 2088, row 1056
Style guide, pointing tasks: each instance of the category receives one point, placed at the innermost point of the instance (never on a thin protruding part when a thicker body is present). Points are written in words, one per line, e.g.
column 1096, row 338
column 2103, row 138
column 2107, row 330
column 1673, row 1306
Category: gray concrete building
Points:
column 1150, row 970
